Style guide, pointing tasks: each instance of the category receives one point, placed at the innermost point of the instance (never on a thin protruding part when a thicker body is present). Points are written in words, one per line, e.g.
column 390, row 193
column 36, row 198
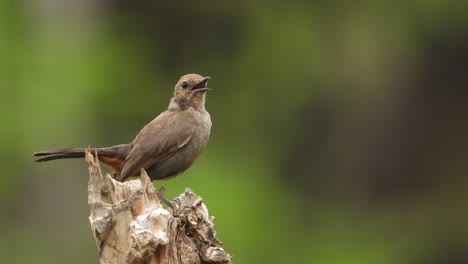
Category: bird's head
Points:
column 190, row 91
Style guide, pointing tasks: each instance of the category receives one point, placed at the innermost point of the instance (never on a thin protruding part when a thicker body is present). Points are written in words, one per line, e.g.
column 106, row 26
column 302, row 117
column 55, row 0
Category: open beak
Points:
column 200, row 86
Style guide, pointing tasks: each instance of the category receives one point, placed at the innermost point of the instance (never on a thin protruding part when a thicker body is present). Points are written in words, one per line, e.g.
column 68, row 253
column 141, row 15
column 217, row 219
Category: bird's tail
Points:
column 65, row 153
column 72, row 153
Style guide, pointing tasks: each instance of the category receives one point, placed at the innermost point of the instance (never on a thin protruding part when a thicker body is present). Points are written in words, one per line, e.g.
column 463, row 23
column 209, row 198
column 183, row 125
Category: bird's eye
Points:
column 185, row 85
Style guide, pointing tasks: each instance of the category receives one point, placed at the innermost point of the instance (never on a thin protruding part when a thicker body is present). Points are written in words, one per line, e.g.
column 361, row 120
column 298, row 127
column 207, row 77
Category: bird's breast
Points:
column 202, row 121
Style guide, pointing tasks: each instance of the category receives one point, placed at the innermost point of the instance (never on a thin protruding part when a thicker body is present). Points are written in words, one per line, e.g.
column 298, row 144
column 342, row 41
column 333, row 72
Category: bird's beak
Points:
column 200, row 86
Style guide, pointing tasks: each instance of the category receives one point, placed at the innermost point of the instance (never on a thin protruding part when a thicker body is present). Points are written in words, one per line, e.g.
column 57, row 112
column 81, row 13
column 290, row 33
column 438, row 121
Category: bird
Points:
column 165, row 147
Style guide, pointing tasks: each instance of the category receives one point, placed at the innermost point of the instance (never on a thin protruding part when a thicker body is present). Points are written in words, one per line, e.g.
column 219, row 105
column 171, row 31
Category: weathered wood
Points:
column 131, row 226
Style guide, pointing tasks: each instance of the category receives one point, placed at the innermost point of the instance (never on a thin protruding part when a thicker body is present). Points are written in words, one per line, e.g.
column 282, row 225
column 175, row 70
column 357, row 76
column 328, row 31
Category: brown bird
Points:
column 165, row 147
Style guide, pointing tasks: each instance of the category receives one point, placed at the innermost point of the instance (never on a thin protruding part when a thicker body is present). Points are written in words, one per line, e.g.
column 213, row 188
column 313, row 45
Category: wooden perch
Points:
column 131, row 226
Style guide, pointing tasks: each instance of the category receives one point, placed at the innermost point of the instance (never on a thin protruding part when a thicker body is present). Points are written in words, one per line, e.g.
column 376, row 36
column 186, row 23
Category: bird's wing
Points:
column 157, row 141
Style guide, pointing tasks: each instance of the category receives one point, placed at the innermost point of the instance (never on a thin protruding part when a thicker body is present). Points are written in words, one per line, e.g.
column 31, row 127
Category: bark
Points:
column 130, row 224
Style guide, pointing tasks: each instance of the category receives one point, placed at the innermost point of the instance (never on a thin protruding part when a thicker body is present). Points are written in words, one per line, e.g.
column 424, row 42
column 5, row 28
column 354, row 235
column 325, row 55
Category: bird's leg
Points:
column 160, row 194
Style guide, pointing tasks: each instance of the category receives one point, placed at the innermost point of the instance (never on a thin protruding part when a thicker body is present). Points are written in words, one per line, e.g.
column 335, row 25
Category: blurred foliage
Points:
column 339, row 136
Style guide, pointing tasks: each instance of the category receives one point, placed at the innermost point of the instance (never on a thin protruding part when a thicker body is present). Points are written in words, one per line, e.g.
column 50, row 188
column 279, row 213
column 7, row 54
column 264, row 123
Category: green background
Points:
column 340, row 129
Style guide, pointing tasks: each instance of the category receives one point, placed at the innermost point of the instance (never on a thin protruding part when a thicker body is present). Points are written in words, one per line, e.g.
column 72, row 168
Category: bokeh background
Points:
column 340, row 128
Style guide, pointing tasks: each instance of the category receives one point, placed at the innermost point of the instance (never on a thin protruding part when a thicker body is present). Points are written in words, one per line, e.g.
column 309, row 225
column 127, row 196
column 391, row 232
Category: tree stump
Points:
column 131, row 226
